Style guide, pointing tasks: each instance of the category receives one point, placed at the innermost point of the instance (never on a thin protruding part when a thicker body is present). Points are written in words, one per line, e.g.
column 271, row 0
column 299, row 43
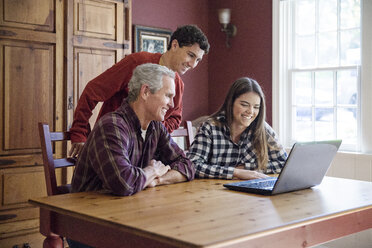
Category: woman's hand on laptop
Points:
column 241, row 173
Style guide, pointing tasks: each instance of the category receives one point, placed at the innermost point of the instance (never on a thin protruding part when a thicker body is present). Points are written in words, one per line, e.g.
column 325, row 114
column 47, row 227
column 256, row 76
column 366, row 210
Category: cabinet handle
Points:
column 70, row 104
column 7, row 216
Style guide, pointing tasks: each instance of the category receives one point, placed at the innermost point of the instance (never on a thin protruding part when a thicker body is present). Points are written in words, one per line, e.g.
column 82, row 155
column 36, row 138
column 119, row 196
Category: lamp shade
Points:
column 224, row 16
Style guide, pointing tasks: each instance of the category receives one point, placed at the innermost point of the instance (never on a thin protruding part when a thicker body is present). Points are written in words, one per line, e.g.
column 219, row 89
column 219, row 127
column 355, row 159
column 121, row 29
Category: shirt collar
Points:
column 226, row 130
column 126, row 110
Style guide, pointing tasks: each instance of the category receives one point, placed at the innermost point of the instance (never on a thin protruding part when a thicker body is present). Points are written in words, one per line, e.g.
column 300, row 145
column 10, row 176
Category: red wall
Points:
column 250, row 53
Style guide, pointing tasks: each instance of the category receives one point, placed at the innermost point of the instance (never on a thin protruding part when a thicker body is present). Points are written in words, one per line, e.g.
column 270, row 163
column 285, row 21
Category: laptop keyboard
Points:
column 259, row 184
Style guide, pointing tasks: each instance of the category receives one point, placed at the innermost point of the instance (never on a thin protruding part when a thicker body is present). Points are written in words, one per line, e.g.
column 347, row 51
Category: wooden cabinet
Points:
column 49, row 50
column 98, row 35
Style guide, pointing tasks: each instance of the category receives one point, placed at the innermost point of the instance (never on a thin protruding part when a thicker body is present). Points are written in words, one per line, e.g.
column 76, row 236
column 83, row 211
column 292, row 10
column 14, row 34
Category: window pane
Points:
column 324, row 123
column 324, row 114
column 324, row 88
column 305, row 51
column 327, row 15
column 350, row 14
column 350, row 47
column 327, row 52
column 302, row 89
column 305, row 17
column 346, row 126
column 303, row 113
column 303, row 124
column 347, row 87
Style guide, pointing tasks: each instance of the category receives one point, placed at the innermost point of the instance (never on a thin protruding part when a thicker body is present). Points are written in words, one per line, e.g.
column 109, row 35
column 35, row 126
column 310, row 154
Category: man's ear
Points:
column 174, row 44
column 144, row 91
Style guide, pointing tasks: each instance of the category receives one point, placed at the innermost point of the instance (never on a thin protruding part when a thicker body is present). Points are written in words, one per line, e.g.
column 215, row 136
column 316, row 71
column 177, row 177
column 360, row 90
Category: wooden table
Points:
column 202, row 213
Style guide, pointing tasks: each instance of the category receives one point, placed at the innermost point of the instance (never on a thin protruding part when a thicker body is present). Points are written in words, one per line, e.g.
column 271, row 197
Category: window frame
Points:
column 281, row 91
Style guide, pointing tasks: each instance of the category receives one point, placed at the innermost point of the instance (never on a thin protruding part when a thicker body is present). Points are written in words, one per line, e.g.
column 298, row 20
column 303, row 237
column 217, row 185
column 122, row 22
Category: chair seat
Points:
column 64, row 189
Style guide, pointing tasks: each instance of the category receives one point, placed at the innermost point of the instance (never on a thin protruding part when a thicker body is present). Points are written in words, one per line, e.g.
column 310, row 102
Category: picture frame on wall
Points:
column 151, row 39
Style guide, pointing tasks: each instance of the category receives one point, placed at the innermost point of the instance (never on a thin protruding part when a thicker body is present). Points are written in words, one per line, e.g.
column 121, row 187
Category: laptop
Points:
column 306, row 166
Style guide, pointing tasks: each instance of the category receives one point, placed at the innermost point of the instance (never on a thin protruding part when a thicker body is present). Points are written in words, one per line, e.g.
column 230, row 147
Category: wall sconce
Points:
column 228, row 28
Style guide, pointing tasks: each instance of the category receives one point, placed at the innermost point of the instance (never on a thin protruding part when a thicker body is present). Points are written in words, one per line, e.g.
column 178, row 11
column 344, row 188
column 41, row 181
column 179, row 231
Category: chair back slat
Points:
column 185, row 131
column 190, row 137
column 181, row 132
column 59, row 136
column 63, row 162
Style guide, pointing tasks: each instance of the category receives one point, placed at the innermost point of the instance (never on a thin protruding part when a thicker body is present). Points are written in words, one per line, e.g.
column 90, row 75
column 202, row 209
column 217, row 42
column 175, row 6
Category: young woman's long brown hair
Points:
column 241, row 86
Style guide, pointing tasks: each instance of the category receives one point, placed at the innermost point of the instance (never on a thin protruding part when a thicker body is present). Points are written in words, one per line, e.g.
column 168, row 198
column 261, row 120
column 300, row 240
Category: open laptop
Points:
column 305, row 167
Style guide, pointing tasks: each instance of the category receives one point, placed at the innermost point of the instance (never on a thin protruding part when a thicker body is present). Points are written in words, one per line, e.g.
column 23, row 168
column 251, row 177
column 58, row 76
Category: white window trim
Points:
column 366, row 76
column 280, row 94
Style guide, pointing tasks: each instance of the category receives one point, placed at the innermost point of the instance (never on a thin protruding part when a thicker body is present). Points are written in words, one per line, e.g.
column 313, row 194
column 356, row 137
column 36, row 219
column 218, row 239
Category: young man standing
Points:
column 187, row 46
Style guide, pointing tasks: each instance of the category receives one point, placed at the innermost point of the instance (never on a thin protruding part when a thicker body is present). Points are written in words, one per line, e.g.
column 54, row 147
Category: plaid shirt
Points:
column 115, row 154
column 215, row 155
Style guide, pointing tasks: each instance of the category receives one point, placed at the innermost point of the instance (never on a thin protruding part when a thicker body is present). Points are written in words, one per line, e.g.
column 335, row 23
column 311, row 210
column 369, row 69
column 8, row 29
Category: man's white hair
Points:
column 149, row 74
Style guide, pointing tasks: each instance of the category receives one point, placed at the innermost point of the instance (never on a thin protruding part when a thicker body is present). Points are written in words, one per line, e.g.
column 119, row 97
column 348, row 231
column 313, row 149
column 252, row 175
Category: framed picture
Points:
column 149, row 39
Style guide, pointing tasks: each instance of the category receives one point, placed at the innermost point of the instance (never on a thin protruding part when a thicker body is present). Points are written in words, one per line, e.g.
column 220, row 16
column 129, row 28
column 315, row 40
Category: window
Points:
column 319, row 68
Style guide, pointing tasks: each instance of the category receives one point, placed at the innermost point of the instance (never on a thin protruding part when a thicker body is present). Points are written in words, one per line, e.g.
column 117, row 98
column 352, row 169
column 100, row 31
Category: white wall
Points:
column 352, row 165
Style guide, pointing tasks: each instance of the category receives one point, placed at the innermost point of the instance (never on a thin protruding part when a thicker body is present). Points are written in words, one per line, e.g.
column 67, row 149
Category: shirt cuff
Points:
column 230, row 173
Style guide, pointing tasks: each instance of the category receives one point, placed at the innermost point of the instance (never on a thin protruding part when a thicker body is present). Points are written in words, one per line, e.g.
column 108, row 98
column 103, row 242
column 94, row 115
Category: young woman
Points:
column 236, row 142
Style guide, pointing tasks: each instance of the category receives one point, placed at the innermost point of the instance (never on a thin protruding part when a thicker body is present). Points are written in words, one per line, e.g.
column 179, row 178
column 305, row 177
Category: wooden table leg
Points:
column 52, row 240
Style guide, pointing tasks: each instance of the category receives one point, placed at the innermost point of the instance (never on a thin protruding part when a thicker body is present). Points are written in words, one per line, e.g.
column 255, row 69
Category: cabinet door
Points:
column 98, row 36
column 31, row 77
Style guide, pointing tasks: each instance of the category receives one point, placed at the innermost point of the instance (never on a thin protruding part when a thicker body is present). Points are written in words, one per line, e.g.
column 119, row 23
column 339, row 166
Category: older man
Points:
column 130, row 149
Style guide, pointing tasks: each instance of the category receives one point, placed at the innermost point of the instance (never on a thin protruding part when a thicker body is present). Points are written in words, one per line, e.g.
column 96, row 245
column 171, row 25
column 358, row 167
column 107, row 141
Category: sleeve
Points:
column 172, row 155
column 174, row 117
column 110, row 160
column 200, row 152
column 99, row 89
column 277, row 155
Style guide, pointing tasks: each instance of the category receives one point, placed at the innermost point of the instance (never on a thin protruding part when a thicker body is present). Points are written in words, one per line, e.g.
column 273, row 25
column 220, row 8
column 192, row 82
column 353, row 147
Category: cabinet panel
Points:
column 33, row 239
column 9, row 229
column 28, row 14
column 27, row 90
column 21, row 184
column 88, row 64
column 17, row 223
column 18, row 215
column 95, row 19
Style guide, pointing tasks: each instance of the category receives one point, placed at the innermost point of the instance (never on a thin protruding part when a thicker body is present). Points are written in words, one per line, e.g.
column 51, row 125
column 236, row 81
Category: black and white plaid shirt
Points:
column 215, row 155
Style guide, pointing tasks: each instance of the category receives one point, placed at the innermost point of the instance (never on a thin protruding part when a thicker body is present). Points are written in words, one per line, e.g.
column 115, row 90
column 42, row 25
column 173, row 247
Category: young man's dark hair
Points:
column 189, row 35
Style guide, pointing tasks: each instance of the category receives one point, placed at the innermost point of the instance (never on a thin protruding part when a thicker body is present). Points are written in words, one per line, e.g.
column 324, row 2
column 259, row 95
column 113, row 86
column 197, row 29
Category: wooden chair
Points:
column 186, row 132
column 50, row 164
